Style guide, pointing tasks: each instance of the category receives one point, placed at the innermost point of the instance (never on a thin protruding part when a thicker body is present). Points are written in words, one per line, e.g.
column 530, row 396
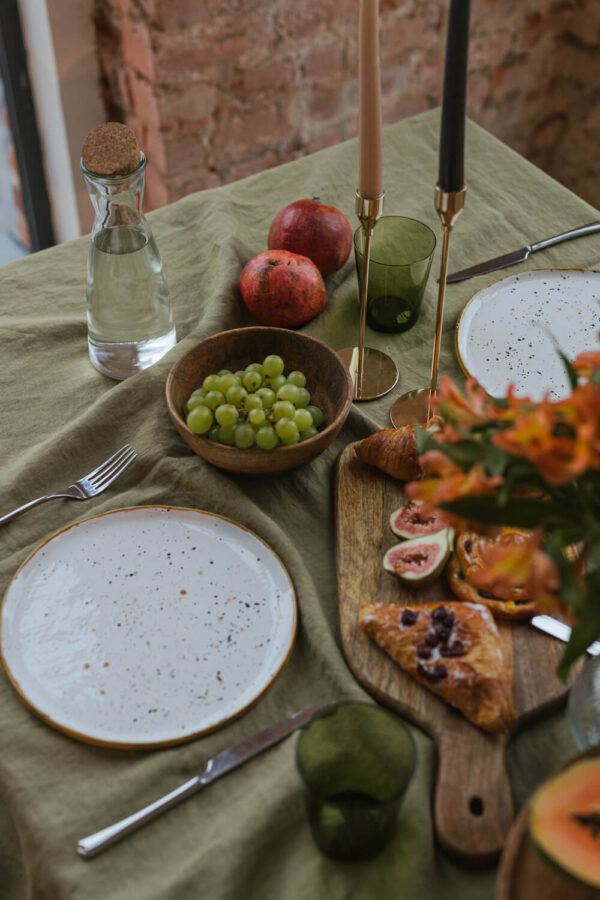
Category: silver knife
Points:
column 560, row 630
column 219, row 765
column 517, row 256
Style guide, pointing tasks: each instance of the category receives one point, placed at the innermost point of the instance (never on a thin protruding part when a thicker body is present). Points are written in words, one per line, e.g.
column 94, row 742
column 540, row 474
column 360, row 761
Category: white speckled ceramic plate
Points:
column 147, row 626
column 503, row 333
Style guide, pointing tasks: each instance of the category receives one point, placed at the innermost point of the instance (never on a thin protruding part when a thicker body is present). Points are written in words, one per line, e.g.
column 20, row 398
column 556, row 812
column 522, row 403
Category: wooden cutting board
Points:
column 473, row 806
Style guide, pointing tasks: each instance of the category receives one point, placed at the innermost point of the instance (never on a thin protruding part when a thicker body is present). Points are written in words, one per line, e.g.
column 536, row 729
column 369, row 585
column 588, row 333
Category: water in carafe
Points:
column 130, row 321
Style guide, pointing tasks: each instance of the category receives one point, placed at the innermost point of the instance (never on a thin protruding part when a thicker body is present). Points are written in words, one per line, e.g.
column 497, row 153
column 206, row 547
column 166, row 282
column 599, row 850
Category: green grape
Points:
column 252, row 380
column 252, row 401
column 310, row 432
column 200, row 419
column 258, row 417
column 303, row 419
column 266, row 437
column 214, row 399
column 211, row 383
column 272, row 365
column 317, row 415
column 297, row 378
column 226, row 414
column 283, row 409
column 288, row 392
column 226, row 381
column 195, row 400
column 235, row 394
column 226, row 434
column 303, row 398
column 287, row 431
column 277, row 382
column 243, row 435
column 267, row 397
column 255, row 406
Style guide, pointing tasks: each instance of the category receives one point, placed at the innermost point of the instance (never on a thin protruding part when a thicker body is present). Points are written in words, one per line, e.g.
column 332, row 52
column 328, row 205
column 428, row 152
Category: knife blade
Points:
column 560, row 630
column 517, row 256
column 216, row 767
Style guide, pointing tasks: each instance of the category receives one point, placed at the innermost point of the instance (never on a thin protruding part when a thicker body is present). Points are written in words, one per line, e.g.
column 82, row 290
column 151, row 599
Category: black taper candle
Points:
column 452, row 132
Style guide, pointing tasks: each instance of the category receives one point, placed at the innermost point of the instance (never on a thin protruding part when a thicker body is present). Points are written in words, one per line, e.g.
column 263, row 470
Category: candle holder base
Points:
column 413, row 408
column 379, row 372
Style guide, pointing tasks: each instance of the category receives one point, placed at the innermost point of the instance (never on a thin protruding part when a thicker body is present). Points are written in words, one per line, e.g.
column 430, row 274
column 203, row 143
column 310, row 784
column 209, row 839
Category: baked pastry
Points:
column 394, row 450
column 454, row 649
column 469, row 561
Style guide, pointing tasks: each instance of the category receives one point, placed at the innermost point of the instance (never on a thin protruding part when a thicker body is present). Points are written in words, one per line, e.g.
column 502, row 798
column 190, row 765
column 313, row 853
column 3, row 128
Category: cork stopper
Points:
column 111, row 149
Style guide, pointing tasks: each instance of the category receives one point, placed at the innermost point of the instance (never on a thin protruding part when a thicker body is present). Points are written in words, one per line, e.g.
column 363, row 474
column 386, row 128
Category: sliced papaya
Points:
column 564, row 821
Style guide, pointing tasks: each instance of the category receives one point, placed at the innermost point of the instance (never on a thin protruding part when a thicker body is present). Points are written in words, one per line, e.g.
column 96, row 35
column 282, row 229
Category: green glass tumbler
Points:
column 399, row 264
column 356, row 762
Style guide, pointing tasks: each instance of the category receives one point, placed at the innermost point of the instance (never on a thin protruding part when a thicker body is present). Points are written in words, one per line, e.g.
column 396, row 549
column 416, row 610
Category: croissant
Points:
column 394, row 450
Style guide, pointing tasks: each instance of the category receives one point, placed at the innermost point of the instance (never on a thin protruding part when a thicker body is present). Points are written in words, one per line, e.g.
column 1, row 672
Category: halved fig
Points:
column 410, row 521
column 419, row 560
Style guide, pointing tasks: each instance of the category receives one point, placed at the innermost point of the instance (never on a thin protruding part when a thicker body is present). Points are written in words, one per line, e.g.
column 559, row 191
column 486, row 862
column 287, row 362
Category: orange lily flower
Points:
column 585, row 363
column 520, row 565
column 464, row 410
column 449, row 482
column 561, row 439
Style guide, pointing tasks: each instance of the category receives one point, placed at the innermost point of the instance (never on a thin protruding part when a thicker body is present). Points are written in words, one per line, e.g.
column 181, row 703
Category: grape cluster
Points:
column 257, row 406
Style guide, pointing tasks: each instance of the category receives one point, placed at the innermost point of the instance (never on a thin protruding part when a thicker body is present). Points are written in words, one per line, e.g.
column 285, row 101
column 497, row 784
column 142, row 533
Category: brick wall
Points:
column 218, row 89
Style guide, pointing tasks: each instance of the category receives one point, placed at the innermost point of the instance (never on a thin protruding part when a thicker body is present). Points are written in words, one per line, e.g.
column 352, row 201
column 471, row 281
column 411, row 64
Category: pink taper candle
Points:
column 370, row 179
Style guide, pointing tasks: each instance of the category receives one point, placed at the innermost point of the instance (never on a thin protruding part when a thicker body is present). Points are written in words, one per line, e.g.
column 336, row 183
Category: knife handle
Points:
column 224, row 762
column 93, row 844
column 565, row 236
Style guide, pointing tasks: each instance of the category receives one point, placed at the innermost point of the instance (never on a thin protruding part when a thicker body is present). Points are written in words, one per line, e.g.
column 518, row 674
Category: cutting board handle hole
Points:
column 476, row 806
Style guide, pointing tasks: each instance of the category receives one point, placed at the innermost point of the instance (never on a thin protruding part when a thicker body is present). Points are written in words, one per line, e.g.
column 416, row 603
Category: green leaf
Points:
column 425, row 441
column 592, row 583
column 595, row 376
column 496, row 460
column 593, row 551
column 571, row 373
column 581, row 595
column 581, row 638
column 519, row 473
column 465, row 453
column 522, row 512
column 582, row 635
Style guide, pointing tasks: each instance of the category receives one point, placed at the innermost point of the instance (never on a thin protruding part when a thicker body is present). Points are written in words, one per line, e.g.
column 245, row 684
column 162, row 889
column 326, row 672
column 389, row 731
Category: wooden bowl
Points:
column 525, row 874
column 327, row 379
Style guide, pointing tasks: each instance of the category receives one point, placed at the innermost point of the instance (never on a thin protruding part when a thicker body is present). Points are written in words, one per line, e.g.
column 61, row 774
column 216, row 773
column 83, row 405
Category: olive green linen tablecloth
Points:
column 246, row 836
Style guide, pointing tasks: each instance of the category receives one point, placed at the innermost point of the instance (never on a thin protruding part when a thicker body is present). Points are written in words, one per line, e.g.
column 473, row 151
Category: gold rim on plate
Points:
column 134, row 745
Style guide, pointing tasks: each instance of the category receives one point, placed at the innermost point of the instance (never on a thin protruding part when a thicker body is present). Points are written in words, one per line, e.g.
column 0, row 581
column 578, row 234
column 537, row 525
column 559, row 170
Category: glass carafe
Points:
column 130, row 321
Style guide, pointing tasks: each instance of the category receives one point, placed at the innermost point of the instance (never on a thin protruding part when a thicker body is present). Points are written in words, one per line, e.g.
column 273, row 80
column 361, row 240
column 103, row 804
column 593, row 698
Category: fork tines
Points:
column 111, row 468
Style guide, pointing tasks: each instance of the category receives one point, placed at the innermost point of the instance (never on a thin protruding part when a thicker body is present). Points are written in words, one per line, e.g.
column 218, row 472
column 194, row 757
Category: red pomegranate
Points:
column 282, row 289
column 315, row 230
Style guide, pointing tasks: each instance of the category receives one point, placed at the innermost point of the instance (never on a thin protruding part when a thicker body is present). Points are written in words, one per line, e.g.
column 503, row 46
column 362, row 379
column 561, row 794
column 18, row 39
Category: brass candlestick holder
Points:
column 373, row 373
column 416, row 406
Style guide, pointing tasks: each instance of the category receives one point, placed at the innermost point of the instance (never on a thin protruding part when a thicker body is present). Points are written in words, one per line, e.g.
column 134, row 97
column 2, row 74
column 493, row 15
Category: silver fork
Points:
column 88, row 486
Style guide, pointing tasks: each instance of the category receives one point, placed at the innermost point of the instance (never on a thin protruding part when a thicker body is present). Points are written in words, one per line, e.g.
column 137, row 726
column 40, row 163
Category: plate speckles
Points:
column 499, row 341
column 147, row 626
